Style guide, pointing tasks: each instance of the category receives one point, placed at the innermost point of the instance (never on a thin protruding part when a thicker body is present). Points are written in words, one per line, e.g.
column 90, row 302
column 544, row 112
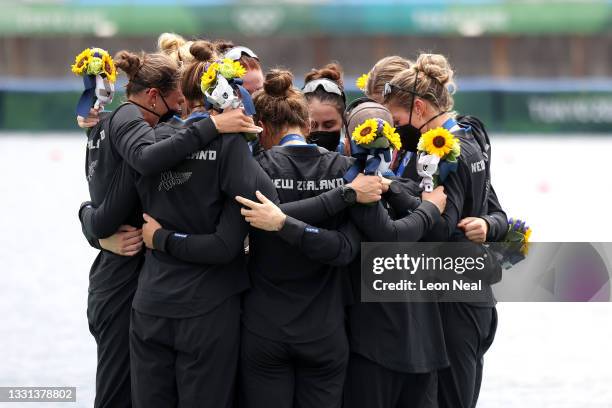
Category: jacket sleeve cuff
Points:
column 83, row 213
column 85, row 204
column 292, row 231
column 491, row 225
column 160, row 239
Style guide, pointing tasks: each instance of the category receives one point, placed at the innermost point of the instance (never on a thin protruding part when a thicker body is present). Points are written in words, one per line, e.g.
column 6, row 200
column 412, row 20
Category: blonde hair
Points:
column 176, row 47
column 433, row 76
column 381, row 73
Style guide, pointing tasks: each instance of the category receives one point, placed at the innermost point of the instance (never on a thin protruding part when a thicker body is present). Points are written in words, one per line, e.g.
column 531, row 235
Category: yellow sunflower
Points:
column 392, row 135
column 81, row 61
column 209, row 77
column 109, row 67
column 239, row 70
column 438, row 141
column 231, row 69
column 362, row 81
column 366, row 132
column 525, row 246
column 527, row 235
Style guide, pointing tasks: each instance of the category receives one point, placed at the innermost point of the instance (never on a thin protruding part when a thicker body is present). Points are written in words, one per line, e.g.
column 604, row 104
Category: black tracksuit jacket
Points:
column 123, row 136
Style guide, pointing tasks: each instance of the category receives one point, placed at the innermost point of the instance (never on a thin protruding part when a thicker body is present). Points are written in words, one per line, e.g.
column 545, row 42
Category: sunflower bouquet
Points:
column 372, row 143
column 515, row 245
column 221, row 85
column 97, row 68
column 519, row 233
column 217, row 80
column 438, row 151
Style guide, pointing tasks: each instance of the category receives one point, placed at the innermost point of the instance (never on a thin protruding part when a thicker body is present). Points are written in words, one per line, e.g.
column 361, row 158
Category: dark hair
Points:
column 144, row 71
column 279, row 104
column 203, row 52
column 334, row 73
column 250, row 63
column 222, row 46
column 434, row 82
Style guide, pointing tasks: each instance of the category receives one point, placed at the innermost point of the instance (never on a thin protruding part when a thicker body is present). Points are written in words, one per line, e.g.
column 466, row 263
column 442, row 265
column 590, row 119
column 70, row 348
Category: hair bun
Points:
column 222, row 46
column 128, row 62
column 278, row 83
column 333, row 72
column 435, row 66
column 202, row 50
column 170, row 42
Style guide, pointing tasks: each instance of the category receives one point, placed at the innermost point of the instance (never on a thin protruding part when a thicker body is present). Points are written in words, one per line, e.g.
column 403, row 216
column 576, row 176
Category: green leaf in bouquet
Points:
column 94, row 67
column 454, row 154
column 514, row 236
column 380, row 142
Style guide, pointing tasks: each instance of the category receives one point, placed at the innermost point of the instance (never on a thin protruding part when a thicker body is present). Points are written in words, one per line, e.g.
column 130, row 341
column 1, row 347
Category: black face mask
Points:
column 169, row 112
column 326, row 139
column 410, row 135
column 162, row 118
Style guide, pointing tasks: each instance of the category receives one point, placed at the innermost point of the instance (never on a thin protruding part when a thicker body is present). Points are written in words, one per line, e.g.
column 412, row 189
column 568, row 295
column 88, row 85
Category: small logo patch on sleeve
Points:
column 312, row 230
column 178, row 235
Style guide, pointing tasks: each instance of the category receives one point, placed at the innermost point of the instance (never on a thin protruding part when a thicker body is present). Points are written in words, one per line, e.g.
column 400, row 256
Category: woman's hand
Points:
column 91, row 120
column 437, row 197
column 368, row 188
column 264, row 215
column 235, row 121
column 385, row 183
column 475, row 229
column 127, row 241
column 148, row 229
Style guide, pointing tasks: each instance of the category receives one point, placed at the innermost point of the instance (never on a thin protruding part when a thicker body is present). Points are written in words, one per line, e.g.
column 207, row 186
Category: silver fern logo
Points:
column 171, row 179
column 91, row 169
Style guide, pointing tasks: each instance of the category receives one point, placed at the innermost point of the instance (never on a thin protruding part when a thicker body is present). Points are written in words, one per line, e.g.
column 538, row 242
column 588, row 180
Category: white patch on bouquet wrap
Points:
column 223, row 95
column 384, row 166
column 105, row 90
column 427, row 167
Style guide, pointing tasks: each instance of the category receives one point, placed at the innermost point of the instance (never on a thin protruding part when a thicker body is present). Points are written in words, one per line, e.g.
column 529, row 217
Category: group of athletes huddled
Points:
column 248, row 291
